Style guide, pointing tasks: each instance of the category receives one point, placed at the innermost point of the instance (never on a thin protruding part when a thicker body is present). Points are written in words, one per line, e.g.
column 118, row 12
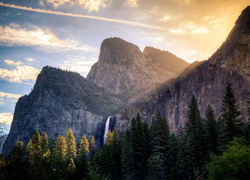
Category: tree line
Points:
column 205, row 148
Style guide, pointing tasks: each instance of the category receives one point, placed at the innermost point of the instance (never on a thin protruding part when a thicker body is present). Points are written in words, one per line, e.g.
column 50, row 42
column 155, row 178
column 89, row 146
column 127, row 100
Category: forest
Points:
column 205, row 148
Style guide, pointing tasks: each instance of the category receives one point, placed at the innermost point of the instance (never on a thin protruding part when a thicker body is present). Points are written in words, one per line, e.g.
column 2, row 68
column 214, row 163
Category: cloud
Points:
column 20, row 74
column 9, row 96
column 202, row 29
column 190, row 27
column 6, row 118
column 89, row 5
column 132, row 3
column 78, row 66
column 29, row 59
column 15, row 35
column 85, row 16
column 12, row 63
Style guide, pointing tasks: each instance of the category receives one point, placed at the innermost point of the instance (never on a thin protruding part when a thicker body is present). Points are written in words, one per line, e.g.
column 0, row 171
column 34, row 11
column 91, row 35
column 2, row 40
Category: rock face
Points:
column 122, row 67
column 206, row 80
column 58, row 101
column 165, row 64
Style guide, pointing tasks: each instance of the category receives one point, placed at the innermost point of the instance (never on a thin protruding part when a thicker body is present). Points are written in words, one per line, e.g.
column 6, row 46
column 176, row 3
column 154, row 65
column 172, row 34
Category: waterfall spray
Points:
column 106, row 129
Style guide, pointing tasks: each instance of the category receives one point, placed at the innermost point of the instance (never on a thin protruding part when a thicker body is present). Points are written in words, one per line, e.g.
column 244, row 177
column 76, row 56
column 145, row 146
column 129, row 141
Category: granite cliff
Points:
column 60, row 100
column 125, row 82
column 206, row 80
column 123, row 68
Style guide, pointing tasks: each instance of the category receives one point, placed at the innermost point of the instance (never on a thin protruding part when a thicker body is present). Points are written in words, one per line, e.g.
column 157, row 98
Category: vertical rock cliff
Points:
column 205, row 80
column 60, row 100
column 123, row 68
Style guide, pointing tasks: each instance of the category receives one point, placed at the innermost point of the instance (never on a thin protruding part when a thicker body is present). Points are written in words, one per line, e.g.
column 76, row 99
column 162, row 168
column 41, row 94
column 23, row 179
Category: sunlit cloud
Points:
column 89, row 5
column 132, row 3
column 15, row 35
column 56, row 3
column 202, row 29
column 9, row 96
column 20, row 73
column 190, row 27
column 78, row 66
column 12, row 63
column 166, row 18
column 85, row 16
column 6, row 118
column 29, row 59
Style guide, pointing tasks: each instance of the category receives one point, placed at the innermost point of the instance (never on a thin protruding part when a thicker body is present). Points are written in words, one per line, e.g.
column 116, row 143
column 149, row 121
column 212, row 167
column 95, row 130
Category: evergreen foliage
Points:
column 211, row 131
column 70, row 145
column 230, row 118
column 142, row 152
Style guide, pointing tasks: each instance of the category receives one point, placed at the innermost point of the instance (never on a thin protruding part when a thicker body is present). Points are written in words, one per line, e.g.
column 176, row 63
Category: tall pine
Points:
column 70, row 145
column 211, row 131
column 230, row 118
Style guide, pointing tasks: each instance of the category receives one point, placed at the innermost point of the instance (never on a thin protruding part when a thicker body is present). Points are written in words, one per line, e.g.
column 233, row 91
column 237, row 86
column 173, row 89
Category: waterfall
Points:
column 106, row 129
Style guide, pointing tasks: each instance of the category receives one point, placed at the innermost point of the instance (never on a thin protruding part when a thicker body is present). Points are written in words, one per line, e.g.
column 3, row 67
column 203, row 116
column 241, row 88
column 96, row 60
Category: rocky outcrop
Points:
column 123, row 68
column 205, row 80
column 165, row 64
column 58, row 101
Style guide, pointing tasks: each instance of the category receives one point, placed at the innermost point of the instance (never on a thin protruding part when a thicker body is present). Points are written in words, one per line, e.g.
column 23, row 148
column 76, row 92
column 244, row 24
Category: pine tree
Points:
column 30, row 152
column 230, row 118
column 173, row 157
column 36, row 141
column 71, row 167
column 194, row 133
column 160, row 137
column 92, row 146
column 211, row 131
column 60, row 149
column 84, row 148
column 109, row 138
column 45, row 145
column 70, row 145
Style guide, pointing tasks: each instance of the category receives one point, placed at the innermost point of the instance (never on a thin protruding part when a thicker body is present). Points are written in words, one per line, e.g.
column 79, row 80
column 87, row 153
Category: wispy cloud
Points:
column 20, row 74
column 192, row 28
column 6, row 118
column 78, row 66
column 9, row 96
column 12, row 63
column 84, row 16
column 15, row 35
column 132, row 3
column 29, row 59
column 89, row 5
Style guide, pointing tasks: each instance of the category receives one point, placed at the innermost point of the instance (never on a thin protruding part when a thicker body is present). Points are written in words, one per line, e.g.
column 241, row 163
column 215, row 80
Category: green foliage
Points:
column 84, row 147
column 71, row 167
column 70, row 145
column 211, row 131
column 233, row 164
column 230, row 118
column 156, row 167
column 60, row 149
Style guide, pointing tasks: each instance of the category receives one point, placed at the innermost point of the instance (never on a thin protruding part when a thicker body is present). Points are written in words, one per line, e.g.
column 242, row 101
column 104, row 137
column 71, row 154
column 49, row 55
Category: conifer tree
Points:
column 45, row 145
column 71, row 167
column 211, row 131
column 36, row 141
column 92, row 146
column 84, row 148
column 30, row 151
column 173, row 157
column 194, row 133
column 160, row 137
column 109, row 138
column 70, row 145
column 60, row 149
column 230, row 118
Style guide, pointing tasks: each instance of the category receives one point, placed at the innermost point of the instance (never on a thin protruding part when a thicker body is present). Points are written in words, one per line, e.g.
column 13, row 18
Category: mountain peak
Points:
column 234, row 53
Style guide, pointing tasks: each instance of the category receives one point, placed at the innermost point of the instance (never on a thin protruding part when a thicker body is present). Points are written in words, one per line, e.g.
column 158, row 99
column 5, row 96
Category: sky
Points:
column 68, row 34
